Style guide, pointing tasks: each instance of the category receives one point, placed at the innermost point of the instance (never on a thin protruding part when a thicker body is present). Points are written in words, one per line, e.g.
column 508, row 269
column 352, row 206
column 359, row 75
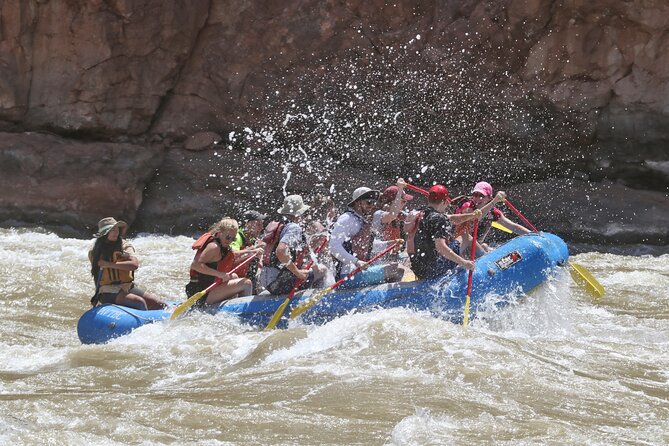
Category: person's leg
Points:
column 232, row 288
column 130, row 300
column 393, row 272
column 152, row 301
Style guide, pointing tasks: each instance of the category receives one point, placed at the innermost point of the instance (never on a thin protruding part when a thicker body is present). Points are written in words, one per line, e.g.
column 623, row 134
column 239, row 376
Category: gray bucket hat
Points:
column 363, row 192
column 293, row 205
column 107, row 224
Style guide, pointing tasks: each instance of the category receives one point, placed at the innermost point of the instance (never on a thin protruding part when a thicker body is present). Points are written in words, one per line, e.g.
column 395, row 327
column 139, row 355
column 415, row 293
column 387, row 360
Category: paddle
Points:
column 465, row 321
column 185, row 306
column 417, row 189
column 501, row 228
column 282, row 308
column 579, row 273
column 313, row 300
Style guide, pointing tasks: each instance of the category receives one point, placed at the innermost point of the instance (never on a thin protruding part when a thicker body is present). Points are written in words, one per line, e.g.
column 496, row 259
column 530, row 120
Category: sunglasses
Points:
column 369, row 201
column 228, row 237
column 478, row 195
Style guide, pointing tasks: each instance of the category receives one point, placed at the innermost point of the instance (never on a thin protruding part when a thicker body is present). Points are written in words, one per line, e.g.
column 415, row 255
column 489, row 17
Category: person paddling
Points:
column 246, row 243
column 435, row 251
column 351, row 243
column 388, row 222
column 113, row 266
column 481, row 197
column 213, row 260
column 286, row 263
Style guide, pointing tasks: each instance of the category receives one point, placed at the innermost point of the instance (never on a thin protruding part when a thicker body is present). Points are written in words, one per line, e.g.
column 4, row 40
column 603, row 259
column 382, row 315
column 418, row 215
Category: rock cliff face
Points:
column 170, row 113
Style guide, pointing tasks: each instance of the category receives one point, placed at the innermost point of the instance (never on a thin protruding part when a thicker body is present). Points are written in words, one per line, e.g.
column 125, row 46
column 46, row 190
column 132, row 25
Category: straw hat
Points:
column 293, row 205
column 107, row 224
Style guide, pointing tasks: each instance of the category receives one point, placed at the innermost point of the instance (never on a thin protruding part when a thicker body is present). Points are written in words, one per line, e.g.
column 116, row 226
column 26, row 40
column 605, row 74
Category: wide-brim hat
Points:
column 293, row 205
column 107, row 224
column 362, row 193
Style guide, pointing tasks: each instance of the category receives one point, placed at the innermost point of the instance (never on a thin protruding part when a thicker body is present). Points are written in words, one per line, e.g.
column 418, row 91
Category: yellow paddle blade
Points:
column 277, row 315
column 583, row 277
column 185, row 306
column 501, row 228
column 408, row 276
column 307, row 304
column 465, row 321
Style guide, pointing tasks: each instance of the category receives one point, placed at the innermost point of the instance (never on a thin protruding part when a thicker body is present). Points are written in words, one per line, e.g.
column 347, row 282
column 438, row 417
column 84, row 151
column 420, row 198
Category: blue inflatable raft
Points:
column 518, row 266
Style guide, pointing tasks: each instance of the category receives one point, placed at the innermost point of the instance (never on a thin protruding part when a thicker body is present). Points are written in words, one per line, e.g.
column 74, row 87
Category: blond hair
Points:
column 225, row 224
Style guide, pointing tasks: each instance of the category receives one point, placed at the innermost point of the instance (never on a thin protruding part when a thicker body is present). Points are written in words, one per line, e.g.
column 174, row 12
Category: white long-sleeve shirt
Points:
column 345, row 228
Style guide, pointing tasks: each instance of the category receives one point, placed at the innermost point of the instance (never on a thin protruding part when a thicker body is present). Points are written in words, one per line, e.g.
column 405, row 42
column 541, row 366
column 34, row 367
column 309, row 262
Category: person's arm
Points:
column 466, row 216
column 283, row 254
column 442, row 248
column 340, row 233
column 128, row 263
column 396, row 206
column 515, row 227
column 501, row 196
column 211, row 253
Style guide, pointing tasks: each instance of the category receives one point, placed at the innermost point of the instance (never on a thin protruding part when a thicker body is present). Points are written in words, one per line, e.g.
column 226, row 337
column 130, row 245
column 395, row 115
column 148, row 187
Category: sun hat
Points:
column 253, row 215
column 293, row 205
column 363, row 192
column 483, row 188
column 390, row 193
column 438, row 192
column 107, row 224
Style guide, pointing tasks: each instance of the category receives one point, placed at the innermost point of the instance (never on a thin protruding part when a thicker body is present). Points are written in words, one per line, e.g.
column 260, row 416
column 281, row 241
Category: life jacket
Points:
column 243, row 271
column 411, row 234
column 484, row 224
column 298, row 256
column 391, row 231
column 224, row 265
column 360, row 245
column 271, row 239
column 112, row 276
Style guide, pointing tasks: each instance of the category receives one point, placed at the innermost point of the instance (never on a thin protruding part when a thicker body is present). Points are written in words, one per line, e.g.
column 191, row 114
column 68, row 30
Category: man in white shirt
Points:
column 351, row 243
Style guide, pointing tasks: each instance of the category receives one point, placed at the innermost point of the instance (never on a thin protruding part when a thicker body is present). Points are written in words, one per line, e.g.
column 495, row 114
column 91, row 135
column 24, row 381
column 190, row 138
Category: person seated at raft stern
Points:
column 388, row 222
column 351, row 243
column 113, row 265
column 213, row 260
column 286, row 264
column 435, row 251
column 482, row 199
column 246, row 242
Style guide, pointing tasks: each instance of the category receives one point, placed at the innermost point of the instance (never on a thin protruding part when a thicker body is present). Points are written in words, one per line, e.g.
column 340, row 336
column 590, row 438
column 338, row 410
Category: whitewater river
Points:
column 554, row 368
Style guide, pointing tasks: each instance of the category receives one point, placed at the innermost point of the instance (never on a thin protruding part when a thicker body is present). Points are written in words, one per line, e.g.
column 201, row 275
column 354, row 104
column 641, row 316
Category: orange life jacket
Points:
column 224, row 265
column 112, row 276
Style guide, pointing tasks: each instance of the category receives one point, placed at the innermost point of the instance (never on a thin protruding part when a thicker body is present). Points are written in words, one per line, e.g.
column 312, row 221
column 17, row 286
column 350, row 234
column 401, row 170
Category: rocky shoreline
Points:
column 171, row 116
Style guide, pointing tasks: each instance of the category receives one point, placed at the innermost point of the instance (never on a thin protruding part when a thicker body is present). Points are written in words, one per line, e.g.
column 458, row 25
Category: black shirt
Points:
column 434, row 225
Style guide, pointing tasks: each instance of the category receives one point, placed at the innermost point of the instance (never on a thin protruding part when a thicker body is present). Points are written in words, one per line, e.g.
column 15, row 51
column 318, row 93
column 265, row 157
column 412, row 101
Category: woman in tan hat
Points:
column 113, row 265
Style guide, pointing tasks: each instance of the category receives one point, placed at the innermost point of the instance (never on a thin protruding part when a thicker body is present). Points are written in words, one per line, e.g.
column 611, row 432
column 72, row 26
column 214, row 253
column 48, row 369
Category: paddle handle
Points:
column 417, row 189
column 521, row 216
column 472, row 256
column 370, row 261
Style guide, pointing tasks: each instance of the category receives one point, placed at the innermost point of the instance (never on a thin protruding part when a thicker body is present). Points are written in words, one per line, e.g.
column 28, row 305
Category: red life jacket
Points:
column 360, row 245
column 411, row 234
column 224, row 265
column 391, row 231
column 271, row 239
